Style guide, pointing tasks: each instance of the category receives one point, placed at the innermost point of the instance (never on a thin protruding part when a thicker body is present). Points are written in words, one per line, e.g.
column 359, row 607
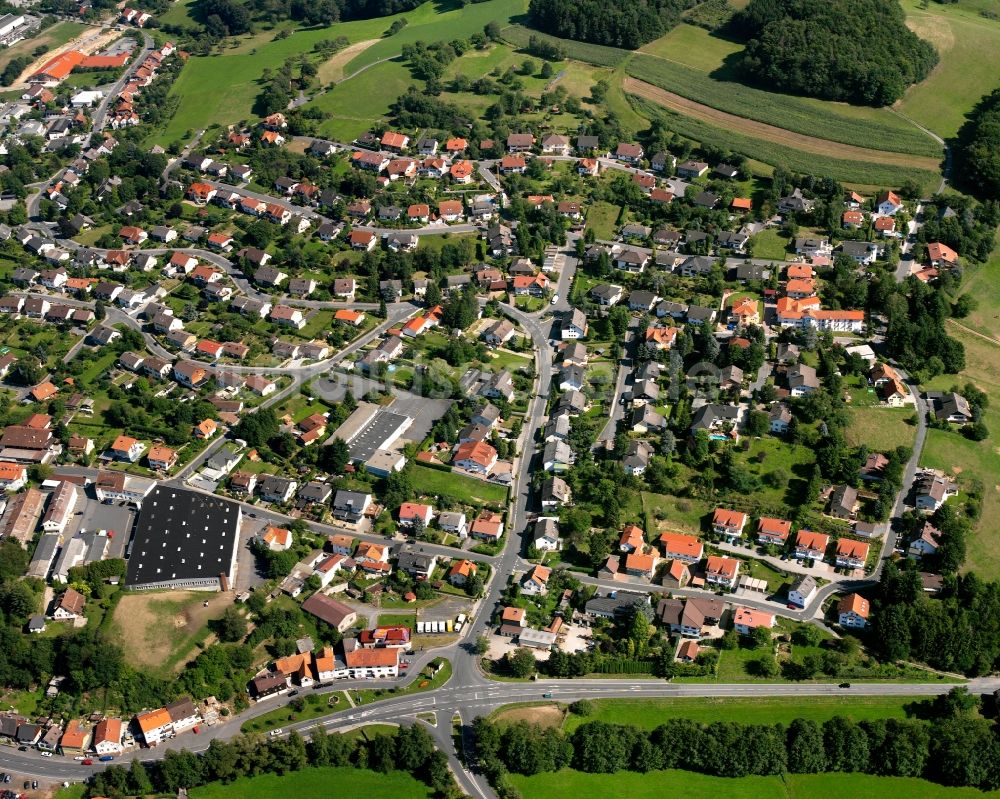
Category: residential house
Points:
column 853, row 611
column 722, row 572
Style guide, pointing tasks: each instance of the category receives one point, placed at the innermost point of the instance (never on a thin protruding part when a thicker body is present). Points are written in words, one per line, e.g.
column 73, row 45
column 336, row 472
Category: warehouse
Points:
column 184, row 539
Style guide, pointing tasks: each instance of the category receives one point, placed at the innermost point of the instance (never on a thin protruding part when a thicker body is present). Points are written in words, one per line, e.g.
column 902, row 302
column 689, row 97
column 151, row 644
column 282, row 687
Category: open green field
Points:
column 881, row 428
column 177, row 14
column 427, row 480
column 317, row 782
column 951, row 452
column 962, row 36
column 51, row 37
column 221, row 89
column 352, row 115
column 872, row 128
column 569, row 784
column 860, row 173
column 598, row 54
column 647, row 714
column 694, row 47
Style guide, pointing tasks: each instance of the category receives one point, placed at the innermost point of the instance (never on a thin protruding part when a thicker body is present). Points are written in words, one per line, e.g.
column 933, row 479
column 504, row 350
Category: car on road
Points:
column 87, row 762
column 195, row 730
column 80, row 757
column 106, row 758
column 845, row 685
column 547, row 695
column 293, row 693
column 46, row 754
column 555, row 299
column 276, row 732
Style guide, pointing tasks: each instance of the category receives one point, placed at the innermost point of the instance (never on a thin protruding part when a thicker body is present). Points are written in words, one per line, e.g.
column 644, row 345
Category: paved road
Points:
column 100, row 117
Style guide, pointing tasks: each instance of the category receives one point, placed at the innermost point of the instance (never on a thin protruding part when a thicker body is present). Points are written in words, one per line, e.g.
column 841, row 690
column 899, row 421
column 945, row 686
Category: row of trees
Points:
column 953, row 748
column 855, row 51
column 408, row 749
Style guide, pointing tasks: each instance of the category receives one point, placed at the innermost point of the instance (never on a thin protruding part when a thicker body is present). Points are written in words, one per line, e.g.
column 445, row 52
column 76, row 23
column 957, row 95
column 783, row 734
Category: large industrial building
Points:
column 184, row 539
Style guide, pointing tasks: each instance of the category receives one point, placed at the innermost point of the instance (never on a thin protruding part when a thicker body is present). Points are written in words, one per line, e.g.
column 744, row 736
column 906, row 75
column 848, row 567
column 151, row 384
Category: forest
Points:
column 626, row 24
column 945, row 741
column 233, row 17
column 977, row 156
column 832, row 49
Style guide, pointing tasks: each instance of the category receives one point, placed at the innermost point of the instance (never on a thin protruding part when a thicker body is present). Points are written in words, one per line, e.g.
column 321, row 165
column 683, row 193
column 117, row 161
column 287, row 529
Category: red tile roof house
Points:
column 722, row 572
column 414, row 512
column 210, row 349
column 729, row 523
column 746, row 620
column 851, row 554
column 852, row 611
column 363, row 240
column 811, row 545
column 773, row 531
column 475, row 456
column 685, row 548
column 630, row 153
column 396, row 142
column 633, row 539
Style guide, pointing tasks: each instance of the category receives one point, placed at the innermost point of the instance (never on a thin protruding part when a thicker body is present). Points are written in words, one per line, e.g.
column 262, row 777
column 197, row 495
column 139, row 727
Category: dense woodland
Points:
column 977, row 156
column 858, row 52
column 627, row 24
column 945, row 741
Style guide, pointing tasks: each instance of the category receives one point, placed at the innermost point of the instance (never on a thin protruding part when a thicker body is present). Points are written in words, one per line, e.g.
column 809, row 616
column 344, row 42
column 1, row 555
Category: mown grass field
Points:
column 317, row 782
column 694, row 47
column 459, row 487
column 859, row 173
column 863, row 127
column 970, row 461
column 221, row 89
column 648, row 714
column 964, row 74
column 881, row 428
column 569, row 784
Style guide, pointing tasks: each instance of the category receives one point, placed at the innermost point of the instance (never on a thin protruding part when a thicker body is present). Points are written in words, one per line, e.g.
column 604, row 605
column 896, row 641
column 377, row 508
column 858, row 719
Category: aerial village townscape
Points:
column 499, row 399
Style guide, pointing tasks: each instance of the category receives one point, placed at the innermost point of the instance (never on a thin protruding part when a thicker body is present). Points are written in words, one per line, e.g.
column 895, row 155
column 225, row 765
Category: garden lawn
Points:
column 568, row 784
column 648, row 714
column 682, row 515
column 974, row 461
column 427, row 480
column 881, row 428
column 317, row 782
column 360, row 102
column 602, row 218
column 316, row 705
column 770, row 243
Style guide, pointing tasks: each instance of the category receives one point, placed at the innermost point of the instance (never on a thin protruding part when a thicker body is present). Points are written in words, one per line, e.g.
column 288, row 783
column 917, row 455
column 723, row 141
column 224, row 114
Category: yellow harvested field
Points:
column 332, row 70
